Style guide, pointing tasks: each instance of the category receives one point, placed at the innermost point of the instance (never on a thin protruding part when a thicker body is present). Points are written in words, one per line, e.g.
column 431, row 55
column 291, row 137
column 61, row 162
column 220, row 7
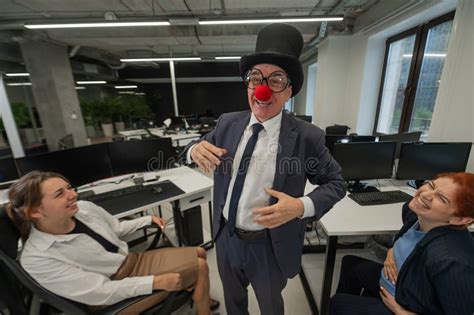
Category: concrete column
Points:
column 453, row 115
column 9, row 122
column 53, row 89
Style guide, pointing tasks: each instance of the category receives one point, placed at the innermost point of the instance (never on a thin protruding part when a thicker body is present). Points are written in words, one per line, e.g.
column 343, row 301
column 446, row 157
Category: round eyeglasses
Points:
column 277, row 81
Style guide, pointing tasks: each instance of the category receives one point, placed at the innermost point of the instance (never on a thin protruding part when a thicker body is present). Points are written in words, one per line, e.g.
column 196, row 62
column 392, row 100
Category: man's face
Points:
column 264, row 110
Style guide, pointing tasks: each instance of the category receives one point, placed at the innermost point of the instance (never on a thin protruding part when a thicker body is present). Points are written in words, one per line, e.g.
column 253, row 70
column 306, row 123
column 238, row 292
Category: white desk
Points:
column 179, row 139
column 196, row 186
column 349, row 218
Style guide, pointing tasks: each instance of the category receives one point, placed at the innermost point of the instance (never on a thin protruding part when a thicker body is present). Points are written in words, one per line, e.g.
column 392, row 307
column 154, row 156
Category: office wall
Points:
column 331, row 85
column 300, row 99
column 350, row 67
column 453, row 116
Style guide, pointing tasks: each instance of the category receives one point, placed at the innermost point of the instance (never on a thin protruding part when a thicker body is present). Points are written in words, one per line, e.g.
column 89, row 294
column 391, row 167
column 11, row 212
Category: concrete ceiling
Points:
column 206, row 41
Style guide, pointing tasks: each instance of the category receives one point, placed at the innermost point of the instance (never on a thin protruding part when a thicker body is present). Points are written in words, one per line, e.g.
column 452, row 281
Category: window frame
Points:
column 421, row 36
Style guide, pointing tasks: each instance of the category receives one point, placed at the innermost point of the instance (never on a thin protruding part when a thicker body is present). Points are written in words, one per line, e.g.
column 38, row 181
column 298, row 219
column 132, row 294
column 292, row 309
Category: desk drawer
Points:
column 195, row 200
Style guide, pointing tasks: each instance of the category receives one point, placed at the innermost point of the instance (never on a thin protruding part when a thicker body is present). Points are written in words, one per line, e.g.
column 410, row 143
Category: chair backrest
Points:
column 337, row 130
column 9, row 236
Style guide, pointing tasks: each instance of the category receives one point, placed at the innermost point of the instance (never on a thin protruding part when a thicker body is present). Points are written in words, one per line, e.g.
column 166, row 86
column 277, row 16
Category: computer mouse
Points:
column 157, row 190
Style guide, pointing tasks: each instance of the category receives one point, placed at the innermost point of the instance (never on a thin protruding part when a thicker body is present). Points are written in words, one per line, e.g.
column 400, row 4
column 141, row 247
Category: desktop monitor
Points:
column 362, row 138
column 8, row 170
column 331, row 140
column 305, row 118
column 365, row 160
column 79, row 165
column 422, row 161
column 400, row 138
column 140, row 155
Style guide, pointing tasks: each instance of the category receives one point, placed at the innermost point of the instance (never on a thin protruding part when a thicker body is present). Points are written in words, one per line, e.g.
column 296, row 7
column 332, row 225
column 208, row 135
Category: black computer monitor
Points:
column 331, row 140
column 401, row 138
column 422, row 161
column 362, row 138
column 365, row 160
column 141, row 155
column 305, row 118
column 8, row 170
column 79, row 165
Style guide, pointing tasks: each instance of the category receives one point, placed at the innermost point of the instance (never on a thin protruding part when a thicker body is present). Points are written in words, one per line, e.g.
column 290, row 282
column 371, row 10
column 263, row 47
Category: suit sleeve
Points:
column 323, row 170
column 185, row 156
column 453, row 281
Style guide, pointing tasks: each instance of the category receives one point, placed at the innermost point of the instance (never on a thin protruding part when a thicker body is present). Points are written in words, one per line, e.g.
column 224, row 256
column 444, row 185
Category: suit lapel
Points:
column 287, row 141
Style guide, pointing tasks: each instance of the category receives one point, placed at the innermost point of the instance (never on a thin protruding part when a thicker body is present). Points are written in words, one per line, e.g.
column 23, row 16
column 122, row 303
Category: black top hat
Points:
column 278, row 44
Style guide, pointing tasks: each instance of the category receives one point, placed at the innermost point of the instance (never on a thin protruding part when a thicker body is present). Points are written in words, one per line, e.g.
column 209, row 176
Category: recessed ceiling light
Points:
column 19, row 74
column 91, row 82
column 98, row 24
column 227, row 58
column 19, row 84
column 272, row 20
column 126, row 86
column 160, row 59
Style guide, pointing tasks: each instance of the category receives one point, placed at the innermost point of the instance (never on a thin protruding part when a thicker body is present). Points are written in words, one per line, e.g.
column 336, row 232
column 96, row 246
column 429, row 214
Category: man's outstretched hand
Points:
column 206, row 155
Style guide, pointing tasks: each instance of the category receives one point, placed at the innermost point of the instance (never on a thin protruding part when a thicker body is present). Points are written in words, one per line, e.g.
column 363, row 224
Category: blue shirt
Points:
column 401, row 250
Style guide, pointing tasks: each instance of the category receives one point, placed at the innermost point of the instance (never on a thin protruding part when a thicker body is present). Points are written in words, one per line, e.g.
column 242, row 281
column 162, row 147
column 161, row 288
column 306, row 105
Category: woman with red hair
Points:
column 429, row 269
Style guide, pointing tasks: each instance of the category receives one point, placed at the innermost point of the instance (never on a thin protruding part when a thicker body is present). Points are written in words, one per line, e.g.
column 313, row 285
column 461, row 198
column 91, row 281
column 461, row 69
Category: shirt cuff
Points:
column 308, row 204
column 189, row 160
column 145, row 285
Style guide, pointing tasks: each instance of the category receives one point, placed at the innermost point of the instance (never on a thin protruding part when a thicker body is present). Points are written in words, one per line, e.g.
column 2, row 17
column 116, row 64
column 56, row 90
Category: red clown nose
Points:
column 263, row 93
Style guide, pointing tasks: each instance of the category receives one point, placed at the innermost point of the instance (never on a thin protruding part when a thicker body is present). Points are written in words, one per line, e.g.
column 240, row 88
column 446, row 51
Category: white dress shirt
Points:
column 77, row 267
column 260, row 174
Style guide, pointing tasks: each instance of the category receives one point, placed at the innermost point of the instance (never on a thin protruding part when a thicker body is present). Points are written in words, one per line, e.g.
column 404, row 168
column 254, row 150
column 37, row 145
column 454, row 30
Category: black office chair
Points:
column 337, row 130
column 18, row 277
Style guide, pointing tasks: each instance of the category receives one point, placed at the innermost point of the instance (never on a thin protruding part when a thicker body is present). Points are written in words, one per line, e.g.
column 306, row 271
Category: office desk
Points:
column 197, row 190
column 348, row 218
column 179, row 139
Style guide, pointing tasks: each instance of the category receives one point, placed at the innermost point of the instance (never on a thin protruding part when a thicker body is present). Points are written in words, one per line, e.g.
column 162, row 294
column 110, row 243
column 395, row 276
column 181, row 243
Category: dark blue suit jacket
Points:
column 438, row 275
column 302, row 155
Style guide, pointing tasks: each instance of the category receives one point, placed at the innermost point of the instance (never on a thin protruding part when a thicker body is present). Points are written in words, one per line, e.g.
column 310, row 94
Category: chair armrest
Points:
column 122, row 305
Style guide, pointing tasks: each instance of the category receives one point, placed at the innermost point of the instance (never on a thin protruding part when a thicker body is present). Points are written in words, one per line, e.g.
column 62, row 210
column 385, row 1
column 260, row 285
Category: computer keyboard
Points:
column 124, row 199
column 380, row 197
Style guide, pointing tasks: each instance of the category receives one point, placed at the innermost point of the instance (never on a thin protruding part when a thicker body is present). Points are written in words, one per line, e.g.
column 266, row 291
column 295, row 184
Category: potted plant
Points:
column 135, row 107
column 104, row 110
column 88, row 109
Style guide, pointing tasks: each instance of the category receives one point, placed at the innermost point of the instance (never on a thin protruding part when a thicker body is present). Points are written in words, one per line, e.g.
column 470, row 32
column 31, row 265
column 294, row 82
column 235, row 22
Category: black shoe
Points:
column 214, row 304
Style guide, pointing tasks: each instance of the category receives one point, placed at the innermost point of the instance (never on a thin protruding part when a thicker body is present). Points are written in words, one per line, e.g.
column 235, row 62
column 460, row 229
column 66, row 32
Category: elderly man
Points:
column 261, row 160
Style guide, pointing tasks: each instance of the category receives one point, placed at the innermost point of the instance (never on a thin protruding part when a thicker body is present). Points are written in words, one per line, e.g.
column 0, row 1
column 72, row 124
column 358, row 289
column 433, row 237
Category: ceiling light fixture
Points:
column 19, row 84
column 273, row 20
column 91, row 82
column 19, row 74
column 80, row 87
column 433, row 55
column 227, row 58
column 94, row 25
column 161, row 59
column 126, row 86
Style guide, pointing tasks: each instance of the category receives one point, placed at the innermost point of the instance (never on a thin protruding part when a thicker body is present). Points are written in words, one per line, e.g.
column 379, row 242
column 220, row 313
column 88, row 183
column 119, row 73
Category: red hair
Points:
column 464, row 197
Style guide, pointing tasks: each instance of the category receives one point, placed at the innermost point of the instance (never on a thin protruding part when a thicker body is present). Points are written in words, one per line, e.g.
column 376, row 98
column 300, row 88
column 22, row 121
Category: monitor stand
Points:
column 358, row 187
column 416, row 183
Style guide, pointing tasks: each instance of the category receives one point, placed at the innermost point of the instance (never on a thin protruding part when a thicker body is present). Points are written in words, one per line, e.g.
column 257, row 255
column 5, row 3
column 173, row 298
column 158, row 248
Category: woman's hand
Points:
column 390, row 267
column 390, row 302
column 158, row 221
column 168, row 282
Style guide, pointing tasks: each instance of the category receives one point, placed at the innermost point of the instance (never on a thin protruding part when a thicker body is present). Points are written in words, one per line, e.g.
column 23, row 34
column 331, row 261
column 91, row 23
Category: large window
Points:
column 413, row 65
